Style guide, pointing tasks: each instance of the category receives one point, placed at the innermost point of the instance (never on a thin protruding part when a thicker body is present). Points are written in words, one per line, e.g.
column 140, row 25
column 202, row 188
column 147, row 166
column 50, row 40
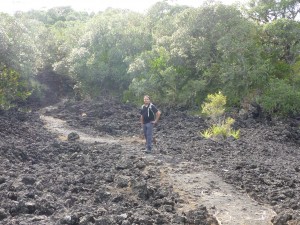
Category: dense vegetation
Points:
column 177, row 54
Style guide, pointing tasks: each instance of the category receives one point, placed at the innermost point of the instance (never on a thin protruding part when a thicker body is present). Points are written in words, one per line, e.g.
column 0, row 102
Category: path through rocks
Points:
column 195, row 185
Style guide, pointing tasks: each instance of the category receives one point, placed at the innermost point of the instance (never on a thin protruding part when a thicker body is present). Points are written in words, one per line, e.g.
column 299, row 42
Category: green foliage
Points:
column 224, row 50
column 207, row 134
column 241, row 69
column 296, row 73
column 11, row 88
column 266, row 11
column 177, row 54
column 235, row 134
column 281, row 98
column 111, row 40
column 19, row 51
column 214, row 107
column 54, row 15
column 281, row 41
column 222, row 130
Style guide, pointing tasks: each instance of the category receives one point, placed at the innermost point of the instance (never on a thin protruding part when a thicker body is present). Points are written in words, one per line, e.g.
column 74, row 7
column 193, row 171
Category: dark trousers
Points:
column 148, row 133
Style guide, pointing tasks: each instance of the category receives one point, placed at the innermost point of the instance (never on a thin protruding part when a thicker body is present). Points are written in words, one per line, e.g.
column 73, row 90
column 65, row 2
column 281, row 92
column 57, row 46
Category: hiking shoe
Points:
column 148, row 151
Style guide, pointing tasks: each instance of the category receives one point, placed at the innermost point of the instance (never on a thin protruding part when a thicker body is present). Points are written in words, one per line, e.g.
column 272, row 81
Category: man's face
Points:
column 146, row 100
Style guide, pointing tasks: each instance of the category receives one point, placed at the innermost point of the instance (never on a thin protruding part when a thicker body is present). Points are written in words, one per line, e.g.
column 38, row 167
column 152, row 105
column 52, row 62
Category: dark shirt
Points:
column 148, row 113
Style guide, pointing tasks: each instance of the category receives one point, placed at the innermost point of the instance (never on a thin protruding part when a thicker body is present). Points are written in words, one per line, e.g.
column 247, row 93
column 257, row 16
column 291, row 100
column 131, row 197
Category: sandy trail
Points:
column 222, row 200
column 195, row 185
column 61, row 128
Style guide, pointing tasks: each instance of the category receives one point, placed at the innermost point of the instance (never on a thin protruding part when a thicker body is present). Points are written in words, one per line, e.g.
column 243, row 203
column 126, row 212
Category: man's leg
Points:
column 145, row 131
column 145, row 134
column 149, row 134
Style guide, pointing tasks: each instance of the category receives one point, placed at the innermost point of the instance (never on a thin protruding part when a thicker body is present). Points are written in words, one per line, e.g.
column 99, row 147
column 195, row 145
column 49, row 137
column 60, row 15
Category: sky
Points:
column 11, row 6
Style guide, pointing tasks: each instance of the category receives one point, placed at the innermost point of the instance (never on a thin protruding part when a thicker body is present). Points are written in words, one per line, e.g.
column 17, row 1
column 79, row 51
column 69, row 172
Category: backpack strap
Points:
column 150, row 108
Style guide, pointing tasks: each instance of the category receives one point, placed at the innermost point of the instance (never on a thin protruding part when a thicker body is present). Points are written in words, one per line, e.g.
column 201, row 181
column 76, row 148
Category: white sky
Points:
column 11, row 6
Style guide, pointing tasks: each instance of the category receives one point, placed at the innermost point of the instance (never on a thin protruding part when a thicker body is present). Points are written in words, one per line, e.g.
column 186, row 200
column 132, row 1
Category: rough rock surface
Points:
column 50, row 179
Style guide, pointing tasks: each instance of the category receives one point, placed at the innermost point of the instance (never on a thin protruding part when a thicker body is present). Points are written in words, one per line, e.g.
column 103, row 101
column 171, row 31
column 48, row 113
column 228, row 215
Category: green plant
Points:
column 11, row 88
column 224, row 130
column 206, row 134
column 280, row 98
column 214, row 107
column 235, row 134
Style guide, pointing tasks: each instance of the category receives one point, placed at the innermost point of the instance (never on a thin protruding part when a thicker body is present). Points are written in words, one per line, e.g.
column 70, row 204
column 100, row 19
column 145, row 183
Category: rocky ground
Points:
column 105, row 178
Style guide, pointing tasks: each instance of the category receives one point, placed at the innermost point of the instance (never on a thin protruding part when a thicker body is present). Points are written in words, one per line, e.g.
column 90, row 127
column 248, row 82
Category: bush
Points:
column 11, row 88
column 214, row 107
column 280, row 99
column 223, row 130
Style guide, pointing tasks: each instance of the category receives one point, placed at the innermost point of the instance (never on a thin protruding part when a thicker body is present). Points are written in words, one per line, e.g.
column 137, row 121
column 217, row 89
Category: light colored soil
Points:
column 230, row 207
column 60, row 127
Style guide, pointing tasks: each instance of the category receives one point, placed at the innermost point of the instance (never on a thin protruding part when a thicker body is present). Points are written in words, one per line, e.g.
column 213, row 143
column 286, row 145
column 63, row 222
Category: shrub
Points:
column 214, row 107
column 223, row 130
column 280, row 98
column 11, row 88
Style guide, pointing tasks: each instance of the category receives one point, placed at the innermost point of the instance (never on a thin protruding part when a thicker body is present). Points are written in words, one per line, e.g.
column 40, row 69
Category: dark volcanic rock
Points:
column 44, row 180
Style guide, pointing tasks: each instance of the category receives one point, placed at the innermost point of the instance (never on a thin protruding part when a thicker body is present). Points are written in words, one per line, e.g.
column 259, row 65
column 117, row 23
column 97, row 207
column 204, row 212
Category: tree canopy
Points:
column 177, row 54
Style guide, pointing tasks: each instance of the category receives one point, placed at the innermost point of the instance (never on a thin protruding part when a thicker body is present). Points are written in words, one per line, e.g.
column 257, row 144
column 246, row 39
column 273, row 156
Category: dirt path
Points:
column 194, row 184
column 229, row 206
column 61, row 128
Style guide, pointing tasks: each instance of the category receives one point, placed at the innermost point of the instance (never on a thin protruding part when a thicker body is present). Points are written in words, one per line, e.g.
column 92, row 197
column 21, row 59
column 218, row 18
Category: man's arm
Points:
column 157, row 115
column 142, row 120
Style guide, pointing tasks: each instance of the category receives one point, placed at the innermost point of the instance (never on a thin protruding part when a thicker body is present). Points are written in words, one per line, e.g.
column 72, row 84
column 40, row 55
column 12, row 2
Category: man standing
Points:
column 149, row 117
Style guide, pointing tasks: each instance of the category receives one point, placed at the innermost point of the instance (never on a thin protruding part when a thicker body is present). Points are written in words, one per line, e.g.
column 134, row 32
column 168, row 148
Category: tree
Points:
column 280, row 98
column 12, row 88
column 19, row 50
column 281, row 40
column 265, row 11
column 110, row 42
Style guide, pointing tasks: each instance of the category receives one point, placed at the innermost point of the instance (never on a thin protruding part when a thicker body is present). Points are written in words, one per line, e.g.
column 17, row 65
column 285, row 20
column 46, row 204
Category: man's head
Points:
column 147, row 99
